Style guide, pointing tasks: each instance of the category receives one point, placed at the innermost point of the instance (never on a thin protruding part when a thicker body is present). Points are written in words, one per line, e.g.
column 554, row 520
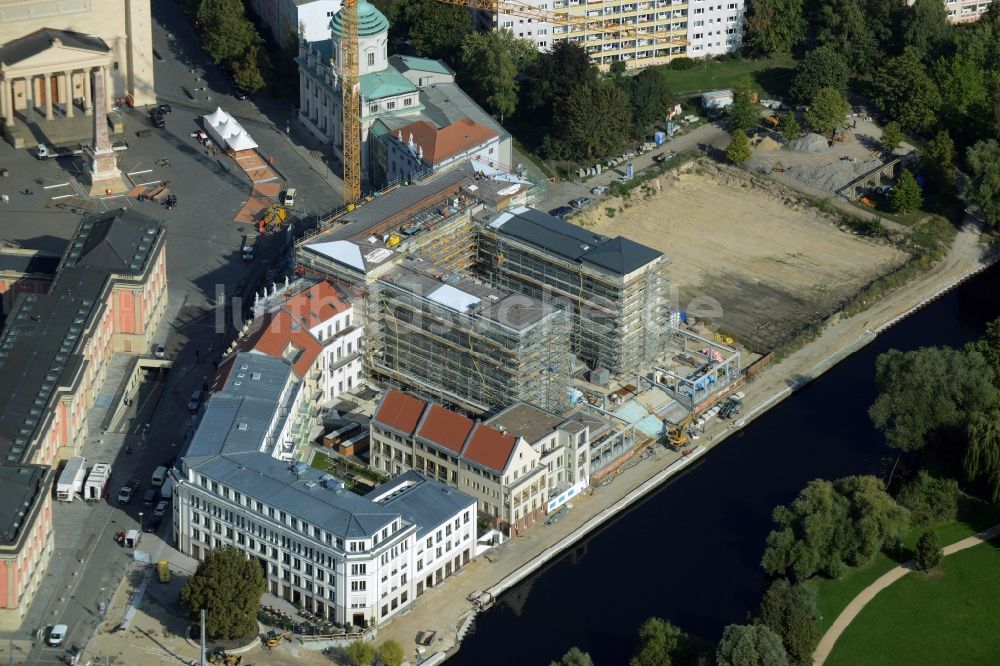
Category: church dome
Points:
column 371, row 21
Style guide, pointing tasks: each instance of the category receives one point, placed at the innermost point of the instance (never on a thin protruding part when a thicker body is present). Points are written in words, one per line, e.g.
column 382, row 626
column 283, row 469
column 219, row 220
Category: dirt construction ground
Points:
column 770, row 264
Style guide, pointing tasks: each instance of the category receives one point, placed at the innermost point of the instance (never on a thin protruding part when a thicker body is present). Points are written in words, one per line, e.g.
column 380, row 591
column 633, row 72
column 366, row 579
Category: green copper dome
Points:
column 371, row 21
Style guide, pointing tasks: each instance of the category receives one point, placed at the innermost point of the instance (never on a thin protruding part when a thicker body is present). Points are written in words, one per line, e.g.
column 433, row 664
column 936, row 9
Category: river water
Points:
column 691, row 552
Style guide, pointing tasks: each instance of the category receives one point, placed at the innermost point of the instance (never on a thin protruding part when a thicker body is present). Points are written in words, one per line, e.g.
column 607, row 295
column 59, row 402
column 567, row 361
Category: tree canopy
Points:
column 892, row 136
column 437, row 29
column 574, row 657
column 590, row 124
column 738, row 150
column 937, row 160
column 832, row 524
column 659, row 640
column 556, row 74
column 775, row 26
column 790, row 612
column 750, row 645
column 489, row 69
column 906, row 195
column 984, row 179
column 228, row 587
column 905, row 92
column 391, row 653
column 743, row 112
column 360, row 653
column 924, row 27
column 822, row 67
column 649, row 96
column 827, row 110
column 928, row 553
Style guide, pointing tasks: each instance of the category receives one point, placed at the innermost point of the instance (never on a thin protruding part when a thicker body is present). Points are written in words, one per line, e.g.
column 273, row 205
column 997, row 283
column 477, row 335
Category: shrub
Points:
column 610, row 211
column 928, row 551
column 682, row 63
column 930, row 499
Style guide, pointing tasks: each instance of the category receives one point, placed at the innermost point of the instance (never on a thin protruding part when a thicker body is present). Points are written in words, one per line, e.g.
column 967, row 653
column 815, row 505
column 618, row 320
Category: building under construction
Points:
column 614, row 288
column 451, row 337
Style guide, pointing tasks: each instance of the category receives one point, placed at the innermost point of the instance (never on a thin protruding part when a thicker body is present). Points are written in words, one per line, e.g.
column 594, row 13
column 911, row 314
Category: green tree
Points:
column 906, row 195
column 790, row 611
column 822, row 67
column 390, row 653
column 827, row 110
column 984, row 179
column 750, row 645
column 989, row 346
column 574, row 657
column 248, row 69
column 845, row 26
column 892, row 136
column 360, row 653
column 650, row 98
column 659, row 641
column 964, row 86
column 743, row 112
column 982, row 458
column 874, row 519
column 228, row 587
column 489, row 71
column 738, row 150
column 555, row 75
column 927, row 391
column 929, row 552
column 592, row 123
column 925, row 27
column 937, row 160
column 775, row 26
column 929, row 499
column 904, row 91
column 790, row 128
column 226, row 32
column 436, row 30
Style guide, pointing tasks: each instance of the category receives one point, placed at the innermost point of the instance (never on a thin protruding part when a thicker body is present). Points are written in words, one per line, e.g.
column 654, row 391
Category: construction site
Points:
column 750, row 259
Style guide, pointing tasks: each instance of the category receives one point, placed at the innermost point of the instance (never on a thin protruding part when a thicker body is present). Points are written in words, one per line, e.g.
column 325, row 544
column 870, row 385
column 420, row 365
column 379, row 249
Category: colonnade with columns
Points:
column 40, row 93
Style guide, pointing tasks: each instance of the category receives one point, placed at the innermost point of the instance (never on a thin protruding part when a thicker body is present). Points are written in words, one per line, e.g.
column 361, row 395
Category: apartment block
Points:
column 346, row 557
column 715, row 27
column 502, row 471
column 964, row 11
column 616, row 290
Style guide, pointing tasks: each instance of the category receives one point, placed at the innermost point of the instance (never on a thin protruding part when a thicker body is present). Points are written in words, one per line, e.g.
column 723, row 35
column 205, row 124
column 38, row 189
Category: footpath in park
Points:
column 885, row 580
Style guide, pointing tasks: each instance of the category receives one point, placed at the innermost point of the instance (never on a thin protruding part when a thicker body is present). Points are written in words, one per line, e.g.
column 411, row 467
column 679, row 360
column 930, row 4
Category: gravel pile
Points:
column 832, row 176
column 810, row 143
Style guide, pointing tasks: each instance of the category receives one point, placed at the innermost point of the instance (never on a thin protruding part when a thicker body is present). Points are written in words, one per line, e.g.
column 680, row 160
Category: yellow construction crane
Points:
column 350, row 86
column 562, row 18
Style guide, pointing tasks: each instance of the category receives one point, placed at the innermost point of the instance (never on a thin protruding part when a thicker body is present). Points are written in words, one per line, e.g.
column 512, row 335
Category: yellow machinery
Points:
column 393, row 241
column 562, row 18
column 273, row 218
column 724, row 339
column 350, row 87
column 677, row 436
column 219, row 656
column 274, row 638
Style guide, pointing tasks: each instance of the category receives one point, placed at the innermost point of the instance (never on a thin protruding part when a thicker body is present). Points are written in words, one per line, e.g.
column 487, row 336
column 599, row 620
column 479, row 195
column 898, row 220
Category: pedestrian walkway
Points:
column 857, row 604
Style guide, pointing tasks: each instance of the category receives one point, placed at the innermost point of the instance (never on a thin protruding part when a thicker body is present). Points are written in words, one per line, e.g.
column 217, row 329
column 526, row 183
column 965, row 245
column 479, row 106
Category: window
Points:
column 371, row 59
column 358, row 569
column 407, row 101
column 358, row 586
column 390, row 105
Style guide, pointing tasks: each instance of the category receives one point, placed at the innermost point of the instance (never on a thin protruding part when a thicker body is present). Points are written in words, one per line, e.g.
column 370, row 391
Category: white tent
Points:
column 227, row 131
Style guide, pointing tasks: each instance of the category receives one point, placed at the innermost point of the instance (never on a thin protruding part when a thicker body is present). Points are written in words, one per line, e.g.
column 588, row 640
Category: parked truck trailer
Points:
column 71, row 479
column 97, row 482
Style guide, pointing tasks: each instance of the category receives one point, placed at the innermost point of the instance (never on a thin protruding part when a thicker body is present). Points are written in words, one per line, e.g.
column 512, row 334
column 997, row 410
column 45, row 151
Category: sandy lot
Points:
column 744, row 260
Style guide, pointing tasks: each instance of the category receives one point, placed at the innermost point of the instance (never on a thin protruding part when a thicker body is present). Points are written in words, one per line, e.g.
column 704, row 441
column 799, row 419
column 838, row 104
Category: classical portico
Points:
column 48, row 75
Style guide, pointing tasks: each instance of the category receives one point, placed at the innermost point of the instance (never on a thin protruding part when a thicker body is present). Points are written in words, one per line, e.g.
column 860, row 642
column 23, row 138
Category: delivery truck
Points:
column 97, row 482
column 71, row 479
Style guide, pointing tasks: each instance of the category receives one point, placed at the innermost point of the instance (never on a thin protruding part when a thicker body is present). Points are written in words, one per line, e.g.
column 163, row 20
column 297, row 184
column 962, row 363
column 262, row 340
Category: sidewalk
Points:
column 885, row 580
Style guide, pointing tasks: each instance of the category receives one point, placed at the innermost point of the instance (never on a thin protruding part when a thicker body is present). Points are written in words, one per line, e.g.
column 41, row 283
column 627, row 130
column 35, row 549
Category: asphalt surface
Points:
column 203, row 262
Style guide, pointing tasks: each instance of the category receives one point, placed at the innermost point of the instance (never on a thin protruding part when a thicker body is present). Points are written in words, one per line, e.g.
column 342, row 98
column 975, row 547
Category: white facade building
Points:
column 963, row 11
column 714, row 27
column 348, row 558
column 287, row 18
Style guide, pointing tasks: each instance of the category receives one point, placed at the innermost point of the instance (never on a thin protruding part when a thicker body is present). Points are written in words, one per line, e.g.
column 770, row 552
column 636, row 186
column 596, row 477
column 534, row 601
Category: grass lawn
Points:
column 946, row 616
column 833, row 595
column 771, row 75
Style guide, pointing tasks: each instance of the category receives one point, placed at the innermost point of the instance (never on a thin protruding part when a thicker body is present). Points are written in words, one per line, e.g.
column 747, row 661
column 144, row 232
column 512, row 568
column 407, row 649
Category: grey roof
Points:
column 41, row 40
column 28, row 262
column 446, row 103
column 19, row 486
column 421, row 500
column 527, row 421
column 405, row 63
column 541, row 230
column 41, row 343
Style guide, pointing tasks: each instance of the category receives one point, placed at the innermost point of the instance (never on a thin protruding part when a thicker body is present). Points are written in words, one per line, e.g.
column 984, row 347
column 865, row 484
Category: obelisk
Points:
column 101, row 171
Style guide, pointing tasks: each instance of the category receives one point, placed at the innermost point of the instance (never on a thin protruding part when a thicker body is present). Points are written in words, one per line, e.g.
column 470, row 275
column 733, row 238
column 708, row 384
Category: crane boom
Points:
column 561, row 18
column 350, row 85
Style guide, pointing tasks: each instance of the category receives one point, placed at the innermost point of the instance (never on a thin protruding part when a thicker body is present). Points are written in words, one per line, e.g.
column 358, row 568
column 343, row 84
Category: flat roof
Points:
column 618, row 255
column 527, row 421
column 422, row 501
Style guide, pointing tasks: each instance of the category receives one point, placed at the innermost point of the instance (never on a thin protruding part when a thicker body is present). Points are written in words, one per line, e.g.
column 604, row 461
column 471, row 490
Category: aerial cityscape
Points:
column 383, row 332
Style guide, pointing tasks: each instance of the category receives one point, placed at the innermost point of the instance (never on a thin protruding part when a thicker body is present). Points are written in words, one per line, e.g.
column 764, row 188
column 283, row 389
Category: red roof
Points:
column 445, row 428
column 399, row 411
column 283, row 338
column 440, row 144
column 316, row 304
column 490, row 448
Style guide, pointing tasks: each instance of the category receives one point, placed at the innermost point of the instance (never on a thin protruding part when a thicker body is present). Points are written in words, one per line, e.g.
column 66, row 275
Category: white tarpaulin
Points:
column 227, row 131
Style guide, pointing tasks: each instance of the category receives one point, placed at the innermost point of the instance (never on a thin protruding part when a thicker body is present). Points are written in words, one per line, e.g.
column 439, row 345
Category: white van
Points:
column 159, row 476
column 289, row 197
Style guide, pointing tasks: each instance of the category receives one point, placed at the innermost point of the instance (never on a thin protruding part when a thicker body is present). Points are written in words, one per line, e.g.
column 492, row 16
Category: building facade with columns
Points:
column 49, row 48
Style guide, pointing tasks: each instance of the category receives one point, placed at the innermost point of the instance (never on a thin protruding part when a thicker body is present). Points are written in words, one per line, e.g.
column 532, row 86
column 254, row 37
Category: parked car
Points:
column 160, row 351
column 195, row 402
column 598, row 190
column 149, row 497
column 57, row 634
column 157, row 119
column 288, row 196
column 239, row 93
column 883, row 190
column 164, row 109
column 560, row 212
column 161, row 509
column 663, row 157
column 42, row 151
column 127, row 492
column 579, row 202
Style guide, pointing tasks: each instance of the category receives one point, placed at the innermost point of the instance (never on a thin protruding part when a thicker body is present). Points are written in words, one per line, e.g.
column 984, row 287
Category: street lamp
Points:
column 140, row 521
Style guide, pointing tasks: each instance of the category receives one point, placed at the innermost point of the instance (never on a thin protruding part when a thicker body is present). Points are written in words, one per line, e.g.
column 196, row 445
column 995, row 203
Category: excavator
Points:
column 677, row 436
column 274, row 638
column 272, row 219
